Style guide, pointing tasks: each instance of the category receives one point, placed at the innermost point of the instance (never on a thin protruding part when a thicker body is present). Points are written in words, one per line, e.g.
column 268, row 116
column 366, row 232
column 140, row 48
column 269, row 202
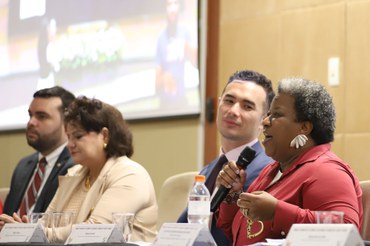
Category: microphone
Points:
column 245, row 158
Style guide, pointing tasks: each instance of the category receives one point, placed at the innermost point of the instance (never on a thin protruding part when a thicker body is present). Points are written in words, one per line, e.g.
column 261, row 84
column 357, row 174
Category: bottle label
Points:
column 199, row 207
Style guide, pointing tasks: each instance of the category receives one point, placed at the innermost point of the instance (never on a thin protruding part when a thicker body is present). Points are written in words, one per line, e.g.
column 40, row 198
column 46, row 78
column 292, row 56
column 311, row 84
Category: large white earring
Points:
column 299, row 141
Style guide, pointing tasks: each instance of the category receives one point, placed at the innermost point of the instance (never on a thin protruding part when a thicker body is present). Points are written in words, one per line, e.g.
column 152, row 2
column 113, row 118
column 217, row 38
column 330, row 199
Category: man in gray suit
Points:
column 45, row 133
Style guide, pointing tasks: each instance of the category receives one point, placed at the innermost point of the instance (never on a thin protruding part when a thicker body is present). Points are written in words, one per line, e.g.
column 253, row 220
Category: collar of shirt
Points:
column 53, row 157
column 51, row 161
column 233, row 154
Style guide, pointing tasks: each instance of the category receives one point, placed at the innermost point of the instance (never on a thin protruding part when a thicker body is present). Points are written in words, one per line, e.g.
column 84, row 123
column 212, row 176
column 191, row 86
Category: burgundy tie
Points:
column 211, row 180
column 31, row 194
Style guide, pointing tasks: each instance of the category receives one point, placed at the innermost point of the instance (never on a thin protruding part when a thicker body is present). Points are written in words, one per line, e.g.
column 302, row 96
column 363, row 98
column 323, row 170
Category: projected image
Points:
column 140, row 56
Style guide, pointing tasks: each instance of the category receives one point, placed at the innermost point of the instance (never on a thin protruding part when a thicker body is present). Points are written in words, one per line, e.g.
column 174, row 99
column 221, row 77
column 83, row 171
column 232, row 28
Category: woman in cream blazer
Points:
column 122, row 186
column 105, row 180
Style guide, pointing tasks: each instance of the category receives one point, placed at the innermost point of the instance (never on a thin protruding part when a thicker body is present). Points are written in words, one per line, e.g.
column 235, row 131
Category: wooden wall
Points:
column 296, row 38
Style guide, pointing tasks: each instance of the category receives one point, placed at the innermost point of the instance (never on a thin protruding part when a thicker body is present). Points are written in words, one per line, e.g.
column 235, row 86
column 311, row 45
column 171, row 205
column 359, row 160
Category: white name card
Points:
column 324, row 235
column 95, row 233
column 21, row 232
column 181, row 234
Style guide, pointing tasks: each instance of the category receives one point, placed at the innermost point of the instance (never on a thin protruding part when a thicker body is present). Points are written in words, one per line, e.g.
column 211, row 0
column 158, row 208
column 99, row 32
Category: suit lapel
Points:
column 51, row 186
column 28, row 172
column 59, row 164
column 67, row 185
column 62, row 159
column 96, row 191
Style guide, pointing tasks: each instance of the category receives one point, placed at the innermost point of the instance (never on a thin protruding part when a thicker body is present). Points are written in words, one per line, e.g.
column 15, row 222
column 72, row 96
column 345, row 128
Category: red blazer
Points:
column 318, row 180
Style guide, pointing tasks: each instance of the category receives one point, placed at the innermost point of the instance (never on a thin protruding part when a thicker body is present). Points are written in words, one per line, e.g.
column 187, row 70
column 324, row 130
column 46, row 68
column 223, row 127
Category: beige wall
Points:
column 13, row 146
column 296, row 38
column 278, row 38
column 167, row 147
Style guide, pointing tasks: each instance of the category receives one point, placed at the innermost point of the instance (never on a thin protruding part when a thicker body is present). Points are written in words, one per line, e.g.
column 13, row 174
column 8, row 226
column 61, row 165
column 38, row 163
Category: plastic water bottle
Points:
column 199, row 205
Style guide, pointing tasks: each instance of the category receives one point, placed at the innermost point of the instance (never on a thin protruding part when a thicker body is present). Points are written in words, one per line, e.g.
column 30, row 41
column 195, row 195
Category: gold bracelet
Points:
column 251, row 235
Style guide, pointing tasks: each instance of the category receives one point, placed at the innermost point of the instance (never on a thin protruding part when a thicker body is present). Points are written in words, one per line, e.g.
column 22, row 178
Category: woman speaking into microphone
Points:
column 306, row 176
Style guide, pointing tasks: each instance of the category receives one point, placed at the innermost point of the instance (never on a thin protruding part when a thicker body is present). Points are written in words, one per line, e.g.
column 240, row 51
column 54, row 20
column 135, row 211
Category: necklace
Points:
column 251, row 235
column 87, row 182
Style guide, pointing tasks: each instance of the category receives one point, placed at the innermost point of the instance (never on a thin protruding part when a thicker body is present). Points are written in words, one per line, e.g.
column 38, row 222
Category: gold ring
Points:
column 245, row 211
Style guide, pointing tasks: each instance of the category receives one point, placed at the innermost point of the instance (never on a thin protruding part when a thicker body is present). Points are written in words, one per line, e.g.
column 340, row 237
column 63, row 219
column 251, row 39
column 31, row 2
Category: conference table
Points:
column 56, row 244
column 366, row 243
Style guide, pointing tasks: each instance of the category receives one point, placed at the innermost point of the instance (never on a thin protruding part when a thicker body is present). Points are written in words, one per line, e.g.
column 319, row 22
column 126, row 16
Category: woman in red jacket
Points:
column 306, row 176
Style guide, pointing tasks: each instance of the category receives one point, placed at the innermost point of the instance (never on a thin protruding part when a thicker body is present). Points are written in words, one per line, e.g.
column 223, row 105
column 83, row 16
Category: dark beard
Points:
column 42, row 145
column 38, row 145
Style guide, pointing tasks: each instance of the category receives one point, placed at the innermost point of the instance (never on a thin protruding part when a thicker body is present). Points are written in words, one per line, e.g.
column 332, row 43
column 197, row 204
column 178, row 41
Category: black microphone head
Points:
column 246, row 157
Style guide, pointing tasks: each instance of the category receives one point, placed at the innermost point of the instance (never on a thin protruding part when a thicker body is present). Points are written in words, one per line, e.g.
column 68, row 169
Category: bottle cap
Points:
column 200, row 178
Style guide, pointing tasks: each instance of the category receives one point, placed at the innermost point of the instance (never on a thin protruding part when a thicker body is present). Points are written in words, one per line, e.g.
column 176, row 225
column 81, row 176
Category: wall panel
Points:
column 305, row 35
column 357, row 64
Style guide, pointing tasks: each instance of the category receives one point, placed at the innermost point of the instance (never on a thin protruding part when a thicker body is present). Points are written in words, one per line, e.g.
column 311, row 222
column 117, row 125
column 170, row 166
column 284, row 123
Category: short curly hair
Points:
column 92, row 115
column 312, row 103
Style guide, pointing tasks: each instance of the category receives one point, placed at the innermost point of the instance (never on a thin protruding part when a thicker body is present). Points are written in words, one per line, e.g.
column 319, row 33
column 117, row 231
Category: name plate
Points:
column 181, row 234
column 323, row 235
column 95, row 233
column 22, row 232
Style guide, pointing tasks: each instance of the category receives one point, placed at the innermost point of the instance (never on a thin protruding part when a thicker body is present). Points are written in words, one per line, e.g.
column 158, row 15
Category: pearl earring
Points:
column 104, row 146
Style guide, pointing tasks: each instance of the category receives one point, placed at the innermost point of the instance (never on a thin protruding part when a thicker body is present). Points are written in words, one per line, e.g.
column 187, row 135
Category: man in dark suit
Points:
column 45, row 133
column 242, row 106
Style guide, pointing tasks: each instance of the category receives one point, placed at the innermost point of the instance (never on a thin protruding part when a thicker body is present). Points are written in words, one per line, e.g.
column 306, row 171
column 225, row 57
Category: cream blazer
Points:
column 122, row 186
